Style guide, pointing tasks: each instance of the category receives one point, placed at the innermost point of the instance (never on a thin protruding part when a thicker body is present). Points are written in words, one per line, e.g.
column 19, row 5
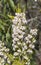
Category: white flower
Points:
column 23, row 33
column 6, row 50
column 29, row 36
column 28, row 63
column 13, row 42
column 23, row 52
column 32, row 46
column 15, row 46
column 23, row 27
column 1, row 54
column 28, row 41
column 25, row 47
column 16, row 39
column 29, row 51
column 13, row 26
column 24, row 21
column 14, row 29
column 19, row 51
column 33, row 31
column 20, row 36
column 15, row 20
column 17, row 14
column 5, row 57
column 19, row 43
column 19, row 23
column 16, row 53
column 8, row 60
column 25, row 57
column 19, row 31
column 26, row 38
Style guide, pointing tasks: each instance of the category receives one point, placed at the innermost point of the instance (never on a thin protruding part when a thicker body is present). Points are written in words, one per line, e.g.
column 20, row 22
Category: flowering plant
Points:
column 19, row 42
column 3, row 54
column 23, row 38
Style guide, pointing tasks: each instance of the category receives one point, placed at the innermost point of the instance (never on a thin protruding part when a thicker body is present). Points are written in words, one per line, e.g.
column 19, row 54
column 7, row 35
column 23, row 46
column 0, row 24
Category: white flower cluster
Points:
column 3, row 51
column 23, row 39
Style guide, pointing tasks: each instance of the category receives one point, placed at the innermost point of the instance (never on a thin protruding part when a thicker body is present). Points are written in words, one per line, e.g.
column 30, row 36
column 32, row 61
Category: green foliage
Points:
column 17, row 62
column 7, row 64
column 10, row 56
column 33, row 62
column 12, row 5
column 5, row 30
